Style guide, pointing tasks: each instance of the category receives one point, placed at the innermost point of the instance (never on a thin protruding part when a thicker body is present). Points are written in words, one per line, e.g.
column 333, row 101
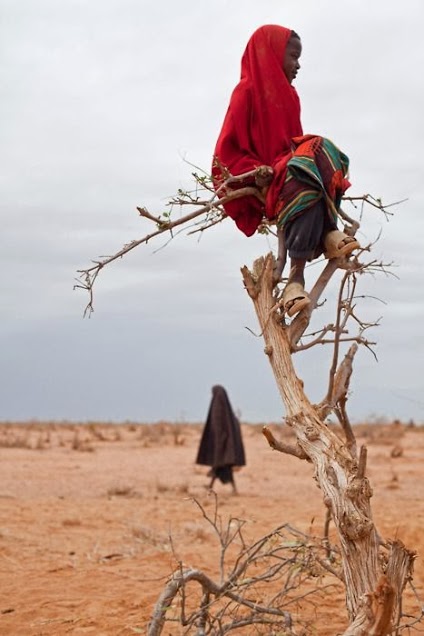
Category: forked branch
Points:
column 209, row 211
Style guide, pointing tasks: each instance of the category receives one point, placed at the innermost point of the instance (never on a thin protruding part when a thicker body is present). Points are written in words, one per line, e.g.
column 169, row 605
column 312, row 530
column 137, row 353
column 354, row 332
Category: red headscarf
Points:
column 262, row 118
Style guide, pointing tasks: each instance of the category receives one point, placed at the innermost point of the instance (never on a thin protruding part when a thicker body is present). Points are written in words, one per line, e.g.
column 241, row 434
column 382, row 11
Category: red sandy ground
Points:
column 87, row 510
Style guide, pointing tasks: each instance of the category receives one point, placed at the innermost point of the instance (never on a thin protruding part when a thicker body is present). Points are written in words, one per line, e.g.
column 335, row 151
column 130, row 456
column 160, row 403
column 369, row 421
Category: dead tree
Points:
column 374, row 573
column 373, row 590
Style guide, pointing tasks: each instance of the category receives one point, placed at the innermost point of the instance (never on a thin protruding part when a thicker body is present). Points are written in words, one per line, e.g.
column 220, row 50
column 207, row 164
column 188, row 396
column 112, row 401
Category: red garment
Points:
column 262, row 118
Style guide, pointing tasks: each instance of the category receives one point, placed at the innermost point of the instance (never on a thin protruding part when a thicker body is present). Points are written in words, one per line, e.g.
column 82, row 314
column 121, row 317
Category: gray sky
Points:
column 102, row 104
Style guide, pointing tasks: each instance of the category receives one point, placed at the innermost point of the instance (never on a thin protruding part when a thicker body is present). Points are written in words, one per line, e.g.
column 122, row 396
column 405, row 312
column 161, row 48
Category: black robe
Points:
column 221, row 445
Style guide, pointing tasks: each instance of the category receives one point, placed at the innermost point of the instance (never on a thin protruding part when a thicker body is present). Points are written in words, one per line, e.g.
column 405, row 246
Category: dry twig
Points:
column 263, row 584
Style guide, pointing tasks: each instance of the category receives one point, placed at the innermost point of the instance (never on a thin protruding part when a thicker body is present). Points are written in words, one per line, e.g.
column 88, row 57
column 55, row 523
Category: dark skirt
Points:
column 304, row 235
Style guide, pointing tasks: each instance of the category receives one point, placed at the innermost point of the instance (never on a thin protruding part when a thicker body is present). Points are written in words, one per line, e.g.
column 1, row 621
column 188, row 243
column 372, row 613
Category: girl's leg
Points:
column 297, row 271
column 303, row 236
column 303, row 239
column 281, row 257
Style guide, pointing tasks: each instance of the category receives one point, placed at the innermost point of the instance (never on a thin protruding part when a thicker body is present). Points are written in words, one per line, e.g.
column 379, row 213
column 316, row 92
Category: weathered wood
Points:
column 370, row 594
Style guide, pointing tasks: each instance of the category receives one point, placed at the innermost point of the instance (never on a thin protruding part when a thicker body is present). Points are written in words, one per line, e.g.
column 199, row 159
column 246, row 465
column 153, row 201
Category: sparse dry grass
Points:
column 121, row 490
column 71, row 523
column 82, row 445
column 88, row 436
column 179, row 489
column 148, row 535
column 75, row 517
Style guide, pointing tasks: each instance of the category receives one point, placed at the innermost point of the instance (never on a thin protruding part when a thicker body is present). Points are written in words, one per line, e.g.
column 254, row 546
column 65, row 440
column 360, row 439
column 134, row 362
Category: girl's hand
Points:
column 263, row 176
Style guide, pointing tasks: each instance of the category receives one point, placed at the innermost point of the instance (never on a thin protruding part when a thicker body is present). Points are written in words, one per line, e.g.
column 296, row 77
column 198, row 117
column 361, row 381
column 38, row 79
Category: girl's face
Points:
column 291, row 58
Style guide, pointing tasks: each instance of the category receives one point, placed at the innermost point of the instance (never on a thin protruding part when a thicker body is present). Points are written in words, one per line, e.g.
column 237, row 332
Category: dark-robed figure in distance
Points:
column 221, row 445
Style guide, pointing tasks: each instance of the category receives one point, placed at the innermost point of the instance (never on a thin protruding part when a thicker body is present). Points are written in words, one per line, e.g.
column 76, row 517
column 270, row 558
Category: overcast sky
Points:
column 103, row 104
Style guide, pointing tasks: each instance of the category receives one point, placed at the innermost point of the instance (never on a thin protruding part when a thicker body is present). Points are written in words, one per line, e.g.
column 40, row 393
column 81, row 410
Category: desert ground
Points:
column 96, row 516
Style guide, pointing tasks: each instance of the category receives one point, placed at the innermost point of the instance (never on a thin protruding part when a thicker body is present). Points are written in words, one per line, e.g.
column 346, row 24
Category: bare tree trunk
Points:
column 370, row 593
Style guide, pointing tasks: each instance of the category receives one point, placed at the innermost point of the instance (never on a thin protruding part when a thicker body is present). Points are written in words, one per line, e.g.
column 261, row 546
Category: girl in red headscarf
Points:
column 300, row 179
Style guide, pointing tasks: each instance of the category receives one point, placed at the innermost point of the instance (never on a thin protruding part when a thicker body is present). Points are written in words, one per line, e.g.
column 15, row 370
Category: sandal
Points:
column 294, row 299
column 338, row 244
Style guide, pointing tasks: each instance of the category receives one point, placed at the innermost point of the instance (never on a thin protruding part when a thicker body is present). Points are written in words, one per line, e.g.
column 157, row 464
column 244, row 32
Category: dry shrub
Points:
column 385, row 434
column 121, row 490
column 165, row 433
column 149, row 435
column 96, row 433
column 148, row 535
column 162, row 488
column 182, row 489
column 177, row 435
column 71, row 523
column 259, row 588
column 16, row 441
column 80, row 445
column 397, row 451
column 41, row 443
column 198, row 532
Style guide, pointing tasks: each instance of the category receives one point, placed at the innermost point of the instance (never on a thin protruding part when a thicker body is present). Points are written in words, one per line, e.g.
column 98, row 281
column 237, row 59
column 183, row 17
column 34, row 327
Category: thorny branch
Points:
column 208, row 213
column 374, row 202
